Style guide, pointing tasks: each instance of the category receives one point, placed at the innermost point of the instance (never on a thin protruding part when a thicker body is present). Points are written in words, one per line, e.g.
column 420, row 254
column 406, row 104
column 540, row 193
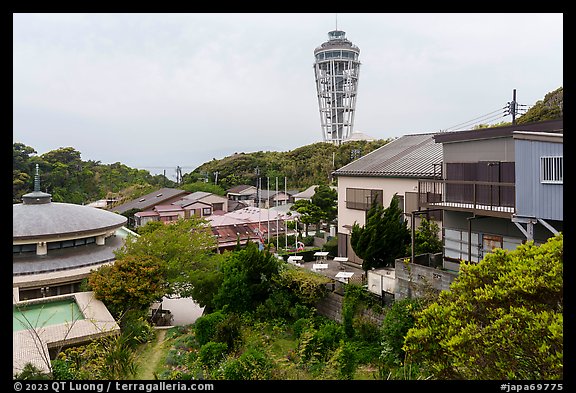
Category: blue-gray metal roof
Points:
column 412, row 156
column 37, row 221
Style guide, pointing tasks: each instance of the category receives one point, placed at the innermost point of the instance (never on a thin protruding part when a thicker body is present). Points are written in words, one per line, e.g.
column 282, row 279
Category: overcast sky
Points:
column 163, row 90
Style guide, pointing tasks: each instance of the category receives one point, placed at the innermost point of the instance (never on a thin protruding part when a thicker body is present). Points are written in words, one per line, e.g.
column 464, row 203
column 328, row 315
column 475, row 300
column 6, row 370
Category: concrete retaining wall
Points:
column 412, row 280
column 331, row 307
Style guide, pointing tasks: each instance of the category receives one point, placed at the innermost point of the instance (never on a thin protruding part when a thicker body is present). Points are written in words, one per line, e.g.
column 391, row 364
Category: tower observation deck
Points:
column 336, row 69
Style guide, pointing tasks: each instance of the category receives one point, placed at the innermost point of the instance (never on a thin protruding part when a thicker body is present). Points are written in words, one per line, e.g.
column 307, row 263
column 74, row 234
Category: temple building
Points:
column 56, row 245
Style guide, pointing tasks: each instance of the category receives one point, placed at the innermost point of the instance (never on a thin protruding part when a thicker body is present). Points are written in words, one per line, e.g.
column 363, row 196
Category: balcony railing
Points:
column 482, row 197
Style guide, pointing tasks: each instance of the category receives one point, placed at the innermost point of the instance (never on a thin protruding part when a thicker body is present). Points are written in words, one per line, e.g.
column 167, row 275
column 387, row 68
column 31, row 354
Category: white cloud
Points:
column 162, row 89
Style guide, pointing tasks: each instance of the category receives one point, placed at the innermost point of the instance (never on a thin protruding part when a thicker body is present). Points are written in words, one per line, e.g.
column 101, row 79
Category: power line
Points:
column 512, row 108
column 474, row 121
column 165, row 167
column 484, row 121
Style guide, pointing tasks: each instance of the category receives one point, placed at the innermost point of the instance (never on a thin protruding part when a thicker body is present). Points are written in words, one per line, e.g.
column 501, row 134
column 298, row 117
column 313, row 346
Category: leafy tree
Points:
column 326, row 198
column 501, row 319
column 206, row 325
column 31, row 372
column 400, row 318
column 309, row 213
column 384, row 237
column 71, row 180
column 247, row 279
column 203, row 186
column 22, row 170
column 426, row 238
column 132, row 282
column 183, row 247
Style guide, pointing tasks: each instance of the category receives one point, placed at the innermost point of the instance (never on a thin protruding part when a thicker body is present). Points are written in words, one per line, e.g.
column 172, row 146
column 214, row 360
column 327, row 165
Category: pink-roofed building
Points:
column 198, row 209
column 142, row 218
column 169, row 213
column 163, row 213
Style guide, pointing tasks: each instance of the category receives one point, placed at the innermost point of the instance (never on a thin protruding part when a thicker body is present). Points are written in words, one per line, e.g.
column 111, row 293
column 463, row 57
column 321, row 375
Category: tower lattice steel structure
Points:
column 336, row 69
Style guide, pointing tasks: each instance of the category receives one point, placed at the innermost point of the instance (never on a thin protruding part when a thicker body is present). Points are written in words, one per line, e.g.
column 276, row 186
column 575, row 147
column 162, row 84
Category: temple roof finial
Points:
column 36, row 197
column 37, row 180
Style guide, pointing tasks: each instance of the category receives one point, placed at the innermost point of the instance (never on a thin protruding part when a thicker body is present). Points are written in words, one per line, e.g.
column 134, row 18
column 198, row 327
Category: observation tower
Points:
column 336, row 68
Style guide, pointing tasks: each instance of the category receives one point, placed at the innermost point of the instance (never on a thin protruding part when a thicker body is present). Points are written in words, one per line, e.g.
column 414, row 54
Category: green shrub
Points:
column 328, row 337
column 398, row 320
column 212, row 353
column 366, row 330
column 253, row 364
column 331, row 246
column 300, row 326
column 308, row 240
column 279, row 305
column 228, row 331
column 205, row 326
column 344, row 361
column 136, row 329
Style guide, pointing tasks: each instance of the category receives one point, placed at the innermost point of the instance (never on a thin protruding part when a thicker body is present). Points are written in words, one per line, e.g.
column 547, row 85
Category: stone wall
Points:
column 331, row 306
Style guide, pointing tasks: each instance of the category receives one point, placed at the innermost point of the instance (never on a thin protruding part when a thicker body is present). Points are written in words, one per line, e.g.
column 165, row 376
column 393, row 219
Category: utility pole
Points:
column 512, row 107
column 257, row 187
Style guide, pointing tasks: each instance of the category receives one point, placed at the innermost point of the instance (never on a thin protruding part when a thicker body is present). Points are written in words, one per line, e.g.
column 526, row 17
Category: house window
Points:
column 401, row 203
column 206, row 211
column 552, row 169
column 362, row 199
column 16, row 249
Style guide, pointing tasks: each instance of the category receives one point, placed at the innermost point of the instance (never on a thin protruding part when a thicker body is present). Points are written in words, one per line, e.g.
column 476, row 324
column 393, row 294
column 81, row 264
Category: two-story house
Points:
column 394, row 168
column 182, row 204
column 201, row 203
column 501, row 186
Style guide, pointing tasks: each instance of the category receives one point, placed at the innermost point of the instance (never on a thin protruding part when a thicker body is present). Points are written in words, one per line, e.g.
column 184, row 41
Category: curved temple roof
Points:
column 35, row 221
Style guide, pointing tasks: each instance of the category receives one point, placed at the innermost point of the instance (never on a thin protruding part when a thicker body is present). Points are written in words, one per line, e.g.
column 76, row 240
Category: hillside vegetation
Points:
column 302, row 167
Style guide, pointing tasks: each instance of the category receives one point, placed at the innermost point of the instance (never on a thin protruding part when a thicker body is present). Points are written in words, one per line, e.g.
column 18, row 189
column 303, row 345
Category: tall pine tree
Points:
column 384, row 237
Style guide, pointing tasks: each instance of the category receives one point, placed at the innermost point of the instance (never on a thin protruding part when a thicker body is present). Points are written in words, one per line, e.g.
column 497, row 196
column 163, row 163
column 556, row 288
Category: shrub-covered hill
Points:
column 302, row 167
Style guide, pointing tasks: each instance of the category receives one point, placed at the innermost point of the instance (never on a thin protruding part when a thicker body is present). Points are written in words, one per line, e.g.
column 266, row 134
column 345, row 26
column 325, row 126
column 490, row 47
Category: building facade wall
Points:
column 216, row 201
column 534, row 198
column 389, row 186
column 347, row 217
column 496, row 149
column 487, row 232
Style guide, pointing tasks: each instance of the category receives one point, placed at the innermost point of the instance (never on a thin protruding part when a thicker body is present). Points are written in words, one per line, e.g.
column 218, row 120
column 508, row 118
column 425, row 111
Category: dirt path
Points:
column 148, row 359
